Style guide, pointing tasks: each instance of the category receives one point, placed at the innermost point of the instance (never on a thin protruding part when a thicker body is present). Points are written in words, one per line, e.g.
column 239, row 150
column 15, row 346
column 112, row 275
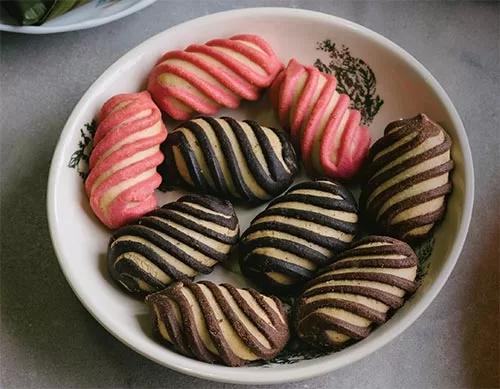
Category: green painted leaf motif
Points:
column 80, row 157
column 354, row 78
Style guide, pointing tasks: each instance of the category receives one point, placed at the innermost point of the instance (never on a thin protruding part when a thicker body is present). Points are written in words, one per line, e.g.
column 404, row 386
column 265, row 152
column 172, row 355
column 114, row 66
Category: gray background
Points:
column 47, row 337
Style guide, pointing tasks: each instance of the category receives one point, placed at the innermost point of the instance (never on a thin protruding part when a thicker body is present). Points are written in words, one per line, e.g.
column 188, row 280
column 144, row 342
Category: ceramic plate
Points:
column 92, row 14
column 394, row 85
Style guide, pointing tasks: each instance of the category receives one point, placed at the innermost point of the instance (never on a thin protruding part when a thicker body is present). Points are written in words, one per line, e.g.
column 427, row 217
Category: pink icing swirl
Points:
column 327, row 133
column 204, row 78
column 123, row 162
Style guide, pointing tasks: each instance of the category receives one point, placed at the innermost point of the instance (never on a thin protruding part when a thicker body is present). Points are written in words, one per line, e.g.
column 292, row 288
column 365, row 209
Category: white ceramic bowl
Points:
column 406, row 88
column 92, row 14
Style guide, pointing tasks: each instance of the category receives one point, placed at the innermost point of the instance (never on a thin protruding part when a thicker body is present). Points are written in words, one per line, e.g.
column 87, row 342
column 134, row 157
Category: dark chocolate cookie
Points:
column 359, row 289
column 219, row 323
column 232, row 159
column 175, row 242
column 298, row 233
column 408, row 179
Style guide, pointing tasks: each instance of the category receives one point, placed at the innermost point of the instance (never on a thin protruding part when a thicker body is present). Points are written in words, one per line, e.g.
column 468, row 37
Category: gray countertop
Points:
column 49, row 340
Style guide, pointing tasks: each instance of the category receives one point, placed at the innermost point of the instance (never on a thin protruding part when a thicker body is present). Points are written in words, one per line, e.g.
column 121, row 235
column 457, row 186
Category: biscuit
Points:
column 357, row 291
column 219, row 323
column 297, row 234
column 408, row 179
column 241, row 160
column 175, row 242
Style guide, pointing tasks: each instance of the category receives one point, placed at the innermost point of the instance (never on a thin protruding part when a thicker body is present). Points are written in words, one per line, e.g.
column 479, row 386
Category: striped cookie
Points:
column 220, row 73
column 356, row 291
column 126, row 151
column 219, row 323
column 298, row 233
column 408, row 178
column 175, row 242
column 236, row 159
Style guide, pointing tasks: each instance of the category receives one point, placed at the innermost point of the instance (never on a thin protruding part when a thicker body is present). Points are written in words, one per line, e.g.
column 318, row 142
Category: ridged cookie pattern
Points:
column 357, row 291
column 176, row 242
column 123, row 161
column 232, row 159
column 204, row 78
column 297, row 234
column 408, row 178
column 331, row 140
column 219, row 323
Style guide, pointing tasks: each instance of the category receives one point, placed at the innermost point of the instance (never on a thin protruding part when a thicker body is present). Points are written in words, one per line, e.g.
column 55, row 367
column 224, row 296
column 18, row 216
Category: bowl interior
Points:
column 406, row 89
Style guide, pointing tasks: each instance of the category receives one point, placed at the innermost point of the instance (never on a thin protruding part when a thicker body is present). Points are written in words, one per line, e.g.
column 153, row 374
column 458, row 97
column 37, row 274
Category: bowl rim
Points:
column 83, row 25
column 255, row 375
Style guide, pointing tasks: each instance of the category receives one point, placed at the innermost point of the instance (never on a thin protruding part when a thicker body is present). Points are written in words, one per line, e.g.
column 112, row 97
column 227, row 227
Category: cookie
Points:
column 204, row 78
column 219, row 323
column 123, row 161
column 356, row 292
column 408, row 179
column 176, row 242
column 241, row 160
column 297, row 234
column 328, row 133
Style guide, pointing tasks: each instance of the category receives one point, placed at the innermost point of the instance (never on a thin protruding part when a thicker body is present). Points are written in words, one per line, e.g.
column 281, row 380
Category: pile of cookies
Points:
column 307, row 243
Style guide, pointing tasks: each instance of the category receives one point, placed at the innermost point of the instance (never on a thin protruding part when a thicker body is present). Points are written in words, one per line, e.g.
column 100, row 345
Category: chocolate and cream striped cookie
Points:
column 232, row 159
column 408, row 178
column 175, row 242
column 358, row 290
column 219, row 323
column 297, row 234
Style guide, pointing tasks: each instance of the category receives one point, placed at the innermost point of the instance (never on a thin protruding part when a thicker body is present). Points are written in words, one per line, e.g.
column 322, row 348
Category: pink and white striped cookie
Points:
column 321, row 124
column 126, row 151
column 204, row 78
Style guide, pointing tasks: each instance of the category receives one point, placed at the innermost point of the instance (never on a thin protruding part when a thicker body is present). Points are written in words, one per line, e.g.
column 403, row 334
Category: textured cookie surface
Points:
column 328, row 133
column 219, row 323
column 175, row 242
column 408, row 178
column 204, row 78
column 298, row 233
column 229, row 158
column 122, row 176
column 357, row 291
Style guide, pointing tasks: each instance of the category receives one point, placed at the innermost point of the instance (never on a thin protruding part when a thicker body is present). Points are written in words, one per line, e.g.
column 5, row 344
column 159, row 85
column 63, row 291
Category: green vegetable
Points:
column 36, row 12
column 28, row 12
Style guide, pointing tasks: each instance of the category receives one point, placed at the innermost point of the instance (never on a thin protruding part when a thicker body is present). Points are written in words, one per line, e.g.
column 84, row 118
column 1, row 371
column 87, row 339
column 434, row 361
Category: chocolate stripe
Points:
column 124, row 247
column 349, row 306
column 187, row 223
column 249, row 245
column 309, row 235
column 346, row 227
column 165, row 245
column 376, row 294
column 323, row 322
